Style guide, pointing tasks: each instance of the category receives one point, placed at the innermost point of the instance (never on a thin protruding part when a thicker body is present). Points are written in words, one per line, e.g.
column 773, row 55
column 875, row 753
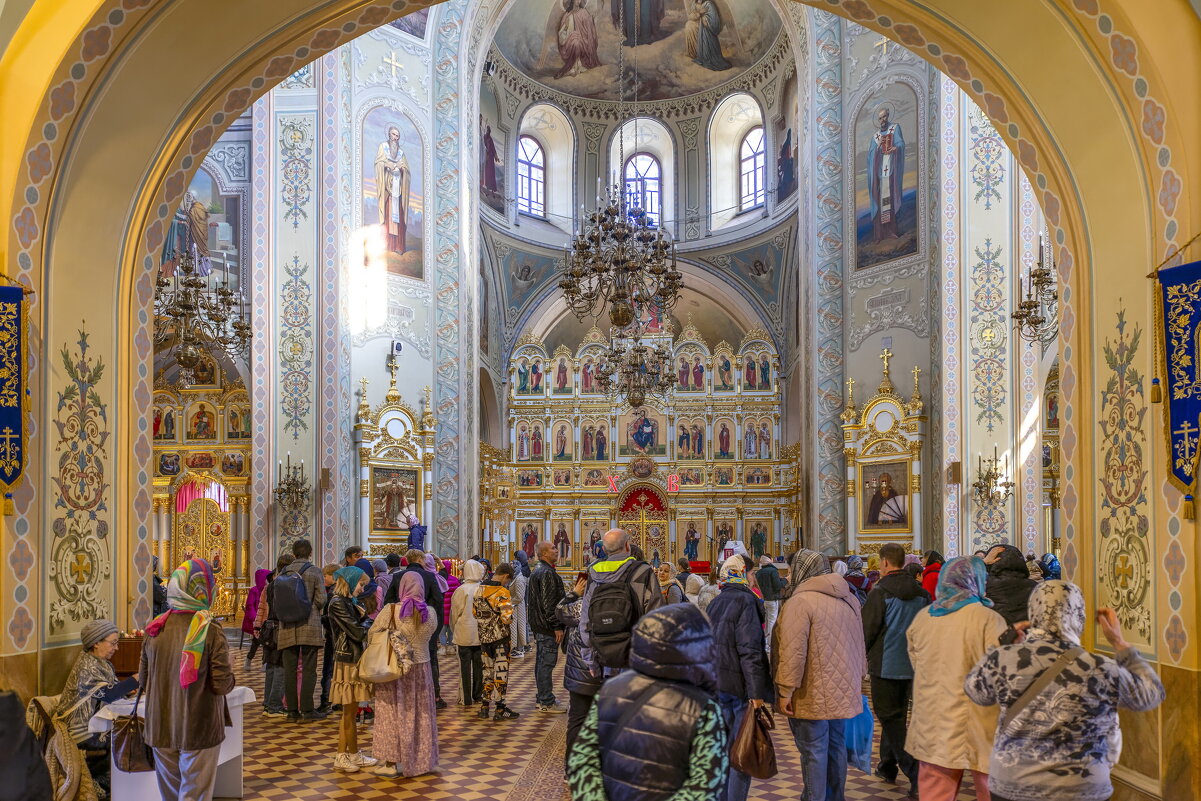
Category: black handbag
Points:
column 130, row 752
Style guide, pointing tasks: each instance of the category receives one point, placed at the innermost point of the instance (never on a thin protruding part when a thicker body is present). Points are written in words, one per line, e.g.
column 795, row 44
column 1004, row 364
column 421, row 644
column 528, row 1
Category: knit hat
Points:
column 96, row 631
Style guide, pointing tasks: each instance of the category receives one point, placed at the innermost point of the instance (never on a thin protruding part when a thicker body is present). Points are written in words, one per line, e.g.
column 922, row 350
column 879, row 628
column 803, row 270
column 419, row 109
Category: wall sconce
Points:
column 992, row 484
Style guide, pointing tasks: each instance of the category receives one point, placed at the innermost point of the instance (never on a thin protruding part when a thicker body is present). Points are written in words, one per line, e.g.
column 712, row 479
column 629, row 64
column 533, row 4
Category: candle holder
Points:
column 992, row 485
column 1036, row 318
column 292, row 490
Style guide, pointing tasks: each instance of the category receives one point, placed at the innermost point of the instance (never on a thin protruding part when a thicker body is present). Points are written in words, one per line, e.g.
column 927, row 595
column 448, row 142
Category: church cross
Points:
column 392, row 366
column 1187, row 445
column 81, row 567
column 1124, row 571
column 363, row 387
column 883, row 44
column 851, row 391
column 9, row 438
column 917, row 371
column 391, row 61
column 884, row 357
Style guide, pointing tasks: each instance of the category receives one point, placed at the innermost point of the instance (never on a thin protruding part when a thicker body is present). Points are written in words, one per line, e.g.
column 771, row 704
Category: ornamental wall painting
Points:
column 884, row 497
column 725, row 438
column 392, row 190
column 562, row 537
column 202, row 421
column 886, row 176
column 562, row 441
column 596, row 442
column 643, row 433
column 690, row 438
column 395, row 494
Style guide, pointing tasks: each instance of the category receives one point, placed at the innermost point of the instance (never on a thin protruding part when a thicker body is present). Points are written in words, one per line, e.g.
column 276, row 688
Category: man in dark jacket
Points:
column 581, row 683
column 543, row 594
column 891, row 606
column 1009, row 584
column 433, row 599
column 770, row 584
column 743, row 676
column 619, row 565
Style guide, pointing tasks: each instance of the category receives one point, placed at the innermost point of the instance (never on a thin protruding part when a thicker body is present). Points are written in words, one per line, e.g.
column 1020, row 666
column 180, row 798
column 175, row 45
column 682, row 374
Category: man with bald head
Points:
column 606, row 640
column 543, row 595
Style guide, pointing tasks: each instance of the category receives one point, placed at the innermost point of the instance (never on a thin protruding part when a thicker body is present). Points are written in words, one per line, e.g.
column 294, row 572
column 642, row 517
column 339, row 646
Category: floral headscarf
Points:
column 733, row 571
column 854, row 564
column 960, row 582
column 189, row 591
column 410, row 596
column 805, row 564
column 1056, row 612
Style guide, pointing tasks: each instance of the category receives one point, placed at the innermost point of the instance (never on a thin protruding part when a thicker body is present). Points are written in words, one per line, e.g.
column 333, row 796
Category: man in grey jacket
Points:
column 618, row 565
column 301, row 643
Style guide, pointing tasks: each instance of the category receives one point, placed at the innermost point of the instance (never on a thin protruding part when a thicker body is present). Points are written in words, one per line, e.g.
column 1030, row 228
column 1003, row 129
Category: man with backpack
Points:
column 297, row 598
column 620, row 591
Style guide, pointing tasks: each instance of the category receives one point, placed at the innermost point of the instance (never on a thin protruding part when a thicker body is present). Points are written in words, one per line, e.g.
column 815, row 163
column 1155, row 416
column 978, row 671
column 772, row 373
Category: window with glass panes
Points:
column 644, row 186
column 752, row 159
column 531, row 177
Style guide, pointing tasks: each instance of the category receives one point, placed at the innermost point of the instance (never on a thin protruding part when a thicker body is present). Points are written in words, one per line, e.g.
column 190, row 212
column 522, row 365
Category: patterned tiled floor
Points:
column 518, row 760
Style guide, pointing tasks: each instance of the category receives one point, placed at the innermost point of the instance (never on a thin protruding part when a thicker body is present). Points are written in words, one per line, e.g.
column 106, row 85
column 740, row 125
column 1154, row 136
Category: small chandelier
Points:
column 292, row 490
column 1037, row 317
column 633, row 370
column 193, row 317
column 992, row 485
column 621, row 260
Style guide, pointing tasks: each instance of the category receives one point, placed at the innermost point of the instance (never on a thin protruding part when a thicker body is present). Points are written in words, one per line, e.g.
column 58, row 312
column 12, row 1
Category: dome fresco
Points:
column 681, row 46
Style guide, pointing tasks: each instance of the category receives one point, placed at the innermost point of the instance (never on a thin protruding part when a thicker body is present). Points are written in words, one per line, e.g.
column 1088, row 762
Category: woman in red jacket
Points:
column 933, row 565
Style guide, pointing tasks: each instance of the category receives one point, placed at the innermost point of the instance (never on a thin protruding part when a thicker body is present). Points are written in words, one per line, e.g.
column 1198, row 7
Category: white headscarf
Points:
column 1056, row 612
column 840, row 567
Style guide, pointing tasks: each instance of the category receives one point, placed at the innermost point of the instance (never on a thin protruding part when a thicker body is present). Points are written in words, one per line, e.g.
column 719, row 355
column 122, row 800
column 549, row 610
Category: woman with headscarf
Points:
column 839, row 566
column 672, row 592
column 406, row 726
column 91, row 683
column 348, row 622
column 932, row 565
column 948, row 735
column 1051, row 568
column 1009, row 583
column 446, row 633
column 818, row 662
column 368, row 597
column 383, row 579
column 708, row 592
column 250, row 610
column 186, row 673
column 738, row 617
column 1060, row 743
column 855, row 578
column 519, row 632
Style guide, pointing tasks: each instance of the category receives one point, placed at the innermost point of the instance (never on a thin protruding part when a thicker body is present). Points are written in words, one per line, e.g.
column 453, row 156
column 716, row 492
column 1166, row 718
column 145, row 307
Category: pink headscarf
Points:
column 411, row 596
column 431, row 564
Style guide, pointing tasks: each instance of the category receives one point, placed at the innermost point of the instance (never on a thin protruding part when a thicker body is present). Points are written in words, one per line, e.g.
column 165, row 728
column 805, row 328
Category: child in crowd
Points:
column 493, row 611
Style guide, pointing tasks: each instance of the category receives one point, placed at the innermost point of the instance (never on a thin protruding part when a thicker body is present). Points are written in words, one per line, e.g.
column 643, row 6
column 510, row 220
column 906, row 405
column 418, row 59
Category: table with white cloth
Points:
column 144, row 786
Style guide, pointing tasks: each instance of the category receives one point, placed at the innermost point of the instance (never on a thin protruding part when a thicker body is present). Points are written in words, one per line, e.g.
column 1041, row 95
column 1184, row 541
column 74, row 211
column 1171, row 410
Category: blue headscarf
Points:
column 960, row 582
column 1051, row 568
column 352, row 576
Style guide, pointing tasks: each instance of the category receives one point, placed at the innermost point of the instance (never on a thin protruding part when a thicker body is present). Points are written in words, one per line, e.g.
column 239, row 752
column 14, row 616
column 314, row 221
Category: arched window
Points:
column 752, row 170
column 531, row 177
column 644, row 185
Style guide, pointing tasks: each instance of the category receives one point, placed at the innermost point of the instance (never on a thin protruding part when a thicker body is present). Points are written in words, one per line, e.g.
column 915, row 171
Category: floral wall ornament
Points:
column 80, row 552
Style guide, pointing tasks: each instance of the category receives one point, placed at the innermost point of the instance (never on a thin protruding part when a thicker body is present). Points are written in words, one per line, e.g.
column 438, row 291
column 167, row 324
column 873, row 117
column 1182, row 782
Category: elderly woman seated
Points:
column 91, row 683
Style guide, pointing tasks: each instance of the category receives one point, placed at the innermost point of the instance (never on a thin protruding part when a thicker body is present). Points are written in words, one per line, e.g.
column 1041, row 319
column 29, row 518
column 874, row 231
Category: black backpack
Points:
column 612, row 613
column 290, row 601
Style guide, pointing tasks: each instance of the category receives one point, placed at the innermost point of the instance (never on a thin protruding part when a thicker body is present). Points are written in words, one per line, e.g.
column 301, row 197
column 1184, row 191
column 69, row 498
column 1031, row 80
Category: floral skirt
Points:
column 406, row 726
column 347, row 687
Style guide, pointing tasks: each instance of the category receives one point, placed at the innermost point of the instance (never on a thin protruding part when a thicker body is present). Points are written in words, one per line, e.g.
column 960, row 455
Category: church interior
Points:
column 890, row 280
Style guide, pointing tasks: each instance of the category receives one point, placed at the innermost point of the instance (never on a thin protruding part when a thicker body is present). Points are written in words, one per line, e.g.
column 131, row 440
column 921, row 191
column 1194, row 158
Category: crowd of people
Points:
column 973, row 666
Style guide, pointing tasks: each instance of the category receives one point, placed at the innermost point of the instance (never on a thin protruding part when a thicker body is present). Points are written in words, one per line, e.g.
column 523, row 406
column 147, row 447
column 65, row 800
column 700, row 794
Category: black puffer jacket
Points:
column 1009, row 586
column 577, row 672
column 645, row 754
column 737, row 617
column 542, row 596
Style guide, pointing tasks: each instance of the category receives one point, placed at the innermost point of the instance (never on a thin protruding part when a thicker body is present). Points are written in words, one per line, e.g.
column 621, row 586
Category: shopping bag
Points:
column 753, row 752
column 859, row 739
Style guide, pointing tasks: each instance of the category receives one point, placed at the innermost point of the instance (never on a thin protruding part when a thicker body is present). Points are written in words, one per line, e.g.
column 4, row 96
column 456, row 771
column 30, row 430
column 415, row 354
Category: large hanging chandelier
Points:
column 194, row 316
column 634, row 371
column 1036, row 318
column 623, row 259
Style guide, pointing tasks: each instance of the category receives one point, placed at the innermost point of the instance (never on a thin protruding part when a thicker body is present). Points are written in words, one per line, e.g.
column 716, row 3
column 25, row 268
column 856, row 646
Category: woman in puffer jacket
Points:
column 578, row 679
column 452, row 584
column 1009, row 584
column 655, row 731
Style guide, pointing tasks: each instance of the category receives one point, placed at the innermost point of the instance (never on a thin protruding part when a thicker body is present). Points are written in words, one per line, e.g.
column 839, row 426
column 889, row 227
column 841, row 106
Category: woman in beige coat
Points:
column 818, row 662
column 947, row 734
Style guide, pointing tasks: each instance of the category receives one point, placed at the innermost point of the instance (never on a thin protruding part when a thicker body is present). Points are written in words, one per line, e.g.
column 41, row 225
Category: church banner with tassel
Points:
column 14, row 400
column 1178, row 316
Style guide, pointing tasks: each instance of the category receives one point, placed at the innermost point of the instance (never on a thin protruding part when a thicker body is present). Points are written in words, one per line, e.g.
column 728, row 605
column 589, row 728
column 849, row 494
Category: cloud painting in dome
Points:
column 681, row 46
column 393, row 188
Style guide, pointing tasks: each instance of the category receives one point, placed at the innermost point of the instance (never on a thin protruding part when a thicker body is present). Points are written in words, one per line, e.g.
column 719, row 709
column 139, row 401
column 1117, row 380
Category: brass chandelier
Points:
column 1036, row 318
column 634, row 370
column 193, row 316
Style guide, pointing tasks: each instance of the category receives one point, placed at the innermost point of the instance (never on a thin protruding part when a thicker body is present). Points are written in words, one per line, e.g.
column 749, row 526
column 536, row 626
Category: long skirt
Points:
column 406, row 726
